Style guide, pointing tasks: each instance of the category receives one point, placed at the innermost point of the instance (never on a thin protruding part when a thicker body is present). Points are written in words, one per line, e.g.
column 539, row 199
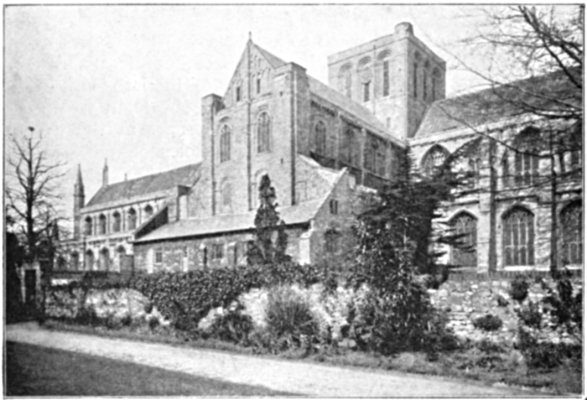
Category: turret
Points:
column 79, row 200
column 105, row 173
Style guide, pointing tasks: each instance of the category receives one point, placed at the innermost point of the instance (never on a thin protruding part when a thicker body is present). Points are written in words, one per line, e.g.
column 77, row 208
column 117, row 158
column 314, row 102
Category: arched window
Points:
column 263, row 133
column 571, row 229
column 465, row 254
column 224, row 143
column 88, row 226
column 132, row 219
column 75, row 261
column 102, row 224
column 104, row 260
column 89, row 260
column 116, row 226
column 382, row 58
column 520, row 165
column 518, row 237
column 320, row 137
column 346, row 80
column 433, row 160
column 148, row 211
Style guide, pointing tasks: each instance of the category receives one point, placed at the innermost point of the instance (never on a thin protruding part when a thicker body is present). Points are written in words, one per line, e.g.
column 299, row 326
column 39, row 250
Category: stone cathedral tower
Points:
column 396, row 77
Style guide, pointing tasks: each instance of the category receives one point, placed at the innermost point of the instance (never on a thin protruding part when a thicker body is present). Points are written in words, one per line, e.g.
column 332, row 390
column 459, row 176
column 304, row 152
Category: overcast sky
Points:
column 125, row 82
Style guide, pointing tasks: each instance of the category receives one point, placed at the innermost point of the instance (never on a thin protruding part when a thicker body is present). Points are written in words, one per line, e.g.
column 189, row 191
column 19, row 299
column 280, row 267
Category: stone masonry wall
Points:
column 467, row 299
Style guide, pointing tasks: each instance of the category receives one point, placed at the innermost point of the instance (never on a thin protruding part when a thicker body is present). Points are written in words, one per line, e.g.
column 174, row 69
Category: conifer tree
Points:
column 270, row 244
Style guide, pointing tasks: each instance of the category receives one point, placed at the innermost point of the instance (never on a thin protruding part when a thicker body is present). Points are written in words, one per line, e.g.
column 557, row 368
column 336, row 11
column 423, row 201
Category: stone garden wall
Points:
column 464, row 300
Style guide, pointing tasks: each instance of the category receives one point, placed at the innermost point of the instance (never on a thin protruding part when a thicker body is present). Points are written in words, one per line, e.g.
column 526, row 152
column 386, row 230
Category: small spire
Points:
column 105, row 173
column 250, row 37
column 79, row 180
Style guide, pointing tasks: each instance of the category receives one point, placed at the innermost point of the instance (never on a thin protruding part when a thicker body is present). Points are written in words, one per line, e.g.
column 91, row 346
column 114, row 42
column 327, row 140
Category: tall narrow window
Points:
column 380, row 158
column 366, row 91
column 348, row 84
column 263, row 133
column 88, row 226
column 148, row 211
column 465, row 254
column 571, row 226
column 415, row 81
column 238, row 93
column 226, row 195
column 132, row 219
column 102, row 224
column 526, row 168
column 386, row 78
column 258, row 85
column 320, row 136
column 116, row 222
column 435, row 82
column 349, row 147
column 224, row 143
column 518, row 237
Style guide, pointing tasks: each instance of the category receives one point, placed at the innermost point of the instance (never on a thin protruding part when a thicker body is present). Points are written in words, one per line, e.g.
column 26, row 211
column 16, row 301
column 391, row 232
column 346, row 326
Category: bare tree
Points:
column 32, row 193
column 543, row 45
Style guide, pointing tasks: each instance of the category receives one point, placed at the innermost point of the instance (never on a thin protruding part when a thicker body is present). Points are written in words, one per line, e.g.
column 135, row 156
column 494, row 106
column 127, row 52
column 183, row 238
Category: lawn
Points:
column 38, row 371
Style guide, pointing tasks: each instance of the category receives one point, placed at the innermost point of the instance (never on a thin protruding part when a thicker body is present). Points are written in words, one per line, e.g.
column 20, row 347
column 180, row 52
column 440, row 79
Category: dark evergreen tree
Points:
column 270, row 244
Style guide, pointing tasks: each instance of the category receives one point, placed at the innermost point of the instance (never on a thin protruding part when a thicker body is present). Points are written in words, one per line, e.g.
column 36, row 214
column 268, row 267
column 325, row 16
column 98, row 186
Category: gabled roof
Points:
column 184, row 176
column 343, row 102
column 547, row 92
column 293, row 215
column 272, row 59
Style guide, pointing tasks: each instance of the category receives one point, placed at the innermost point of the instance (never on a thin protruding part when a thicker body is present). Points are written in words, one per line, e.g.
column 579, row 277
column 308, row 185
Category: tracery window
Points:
column 320, row 137
column 263, row 133
column 518, row 237
column 466, row 253
column 571, row 227
column 224, row 143
column 434, row 160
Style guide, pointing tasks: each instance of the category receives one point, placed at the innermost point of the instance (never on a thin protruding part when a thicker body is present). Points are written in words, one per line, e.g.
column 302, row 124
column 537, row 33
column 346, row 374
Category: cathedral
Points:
column 328, row 147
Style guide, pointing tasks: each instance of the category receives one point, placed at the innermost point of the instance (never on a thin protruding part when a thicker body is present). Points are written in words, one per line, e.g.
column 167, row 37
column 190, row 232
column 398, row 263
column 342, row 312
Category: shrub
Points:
column 530, row 316
column 488, row 323
column 233, row 326
column 545, row 355
column 519, row 288
column 289, row 319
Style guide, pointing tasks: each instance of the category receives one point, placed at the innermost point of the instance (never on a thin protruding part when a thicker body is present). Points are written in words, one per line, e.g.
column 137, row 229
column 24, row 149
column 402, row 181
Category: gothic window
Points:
column 349, row 147
column 88, row 226
column 102, row 224
column 238, row 93
column 132, row 219
column 116, row 222
column 89, row 260
column 386, row 78
column 263, row 133
column 331, row 241
column 148, row 211
column 104, row 260
column 518, row 237
column 433, row 160
column 224, row 143
column 258, row 85
column 465, row 253
column 571, row 226
column 320, row 137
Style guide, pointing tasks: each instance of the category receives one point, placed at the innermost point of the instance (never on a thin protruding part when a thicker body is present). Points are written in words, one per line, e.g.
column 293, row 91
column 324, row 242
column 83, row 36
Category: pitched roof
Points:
column 271, row 58
column 547, row 92
column 300, row 213
column 185, row 176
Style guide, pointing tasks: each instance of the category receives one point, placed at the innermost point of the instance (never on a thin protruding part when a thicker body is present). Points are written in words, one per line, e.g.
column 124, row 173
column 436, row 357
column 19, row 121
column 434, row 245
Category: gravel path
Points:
column 296, row 377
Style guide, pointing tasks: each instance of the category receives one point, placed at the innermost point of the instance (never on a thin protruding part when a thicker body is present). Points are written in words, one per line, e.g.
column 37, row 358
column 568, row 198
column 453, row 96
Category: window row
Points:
column 518, row 237
column 425, row 80
column 102, row 225
column 263, row 136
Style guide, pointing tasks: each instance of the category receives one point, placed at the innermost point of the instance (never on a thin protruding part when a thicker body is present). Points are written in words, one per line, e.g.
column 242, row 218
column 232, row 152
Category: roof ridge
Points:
column 271, row 58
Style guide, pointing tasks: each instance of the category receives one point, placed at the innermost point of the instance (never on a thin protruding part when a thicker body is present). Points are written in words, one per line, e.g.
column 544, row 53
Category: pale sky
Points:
column 125, row 82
